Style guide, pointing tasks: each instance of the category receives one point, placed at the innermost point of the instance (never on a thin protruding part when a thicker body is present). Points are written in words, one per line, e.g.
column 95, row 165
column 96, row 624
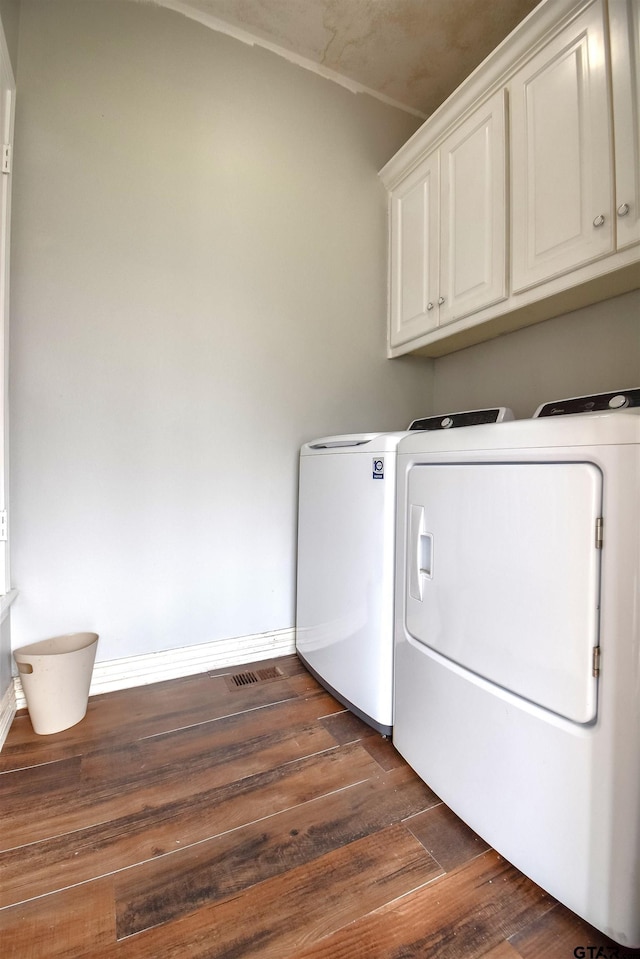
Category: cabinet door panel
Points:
column 414, row 253
column 473, row 213
column 561, row 165
column 625, row 67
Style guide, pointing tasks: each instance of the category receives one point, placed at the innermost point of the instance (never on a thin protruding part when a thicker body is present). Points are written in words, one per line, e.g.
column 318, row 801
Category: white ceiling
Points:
column 411, row 52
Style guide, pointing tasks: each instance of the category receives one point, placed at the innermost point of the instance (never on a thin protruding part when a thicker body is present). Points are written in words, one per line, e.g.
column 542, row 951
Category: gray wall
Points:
column 592, row 350
column 10, row 16
column 199, row 286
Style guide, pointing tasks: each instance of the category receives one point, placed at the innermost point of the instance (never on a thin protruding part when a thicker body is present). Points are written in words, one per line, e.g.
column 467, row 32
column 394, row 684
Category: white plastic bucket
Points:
column 56, row 676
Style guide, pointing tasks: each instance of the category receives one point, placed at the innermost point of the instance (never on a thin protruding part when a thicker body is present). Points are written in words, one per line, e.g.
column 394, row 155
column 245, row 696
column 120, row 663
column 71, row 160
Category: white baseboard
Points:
column 8, row 708
column 184, row 661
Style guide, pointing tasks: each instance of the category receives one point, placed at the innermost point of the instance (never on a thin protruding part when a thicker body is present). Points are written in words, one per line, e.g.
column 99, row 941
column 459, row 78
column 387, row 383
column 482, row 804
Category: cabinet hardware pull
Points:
column 599, row 220
column 440, row 300
column 429, row 305
column 623, row 209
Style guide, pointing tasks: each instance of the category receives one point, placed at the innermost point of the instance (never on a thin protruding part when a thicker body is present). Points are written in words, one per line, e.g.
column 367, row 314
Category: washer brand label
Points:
column 378, row 468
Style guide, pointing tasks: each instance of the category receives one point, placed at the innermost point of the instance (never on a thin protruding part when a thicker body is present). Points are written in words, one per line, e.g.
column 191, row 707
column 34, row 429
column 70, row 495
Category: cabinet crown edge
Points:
column 494, row 72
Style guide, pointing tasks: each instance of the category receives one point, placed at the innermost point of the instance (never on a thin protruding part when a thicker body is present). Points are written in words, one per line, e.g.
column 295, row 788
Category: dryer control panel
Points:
column 447, row 421
column 596, row 403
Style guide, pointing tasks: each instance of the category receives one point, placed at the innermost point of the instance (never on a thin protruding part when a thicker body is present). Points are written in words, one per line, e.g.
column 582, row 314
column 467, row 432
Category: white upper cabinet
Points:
column 561, row 174
column 414, row 253
column 473, row 213
column 448, row 228
column 479, row 246
column 625, row 69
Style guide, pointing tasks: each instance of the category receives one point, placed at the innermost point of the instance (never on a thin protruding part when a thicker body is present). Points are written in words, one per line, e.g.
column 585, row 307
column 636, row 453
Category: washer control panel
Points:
column 596, row 403
column 448, row 421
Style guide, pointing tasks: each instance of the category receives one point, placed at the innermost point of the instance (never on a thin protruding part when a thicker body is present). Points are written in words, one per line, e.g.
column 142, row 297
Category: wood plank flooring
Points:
column 196, row 819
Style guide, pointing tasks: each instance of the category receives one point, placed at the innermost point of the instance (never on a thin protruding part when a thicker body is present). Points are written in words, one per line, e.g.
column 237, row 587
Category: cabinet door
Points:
column 414, row 254
column 473, row 213
column 625, row 68
column 560, row 161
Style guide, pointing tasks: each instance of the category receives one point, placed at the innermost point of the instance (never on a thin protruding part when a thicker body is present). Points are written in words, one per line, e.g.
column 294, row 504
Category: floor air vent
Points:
column 250, row 677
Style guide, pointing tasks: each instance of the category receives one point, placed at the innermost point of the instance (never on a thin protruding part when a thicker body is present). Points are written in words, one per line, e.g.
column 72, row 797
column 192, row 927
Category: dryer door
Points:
column 503, row 575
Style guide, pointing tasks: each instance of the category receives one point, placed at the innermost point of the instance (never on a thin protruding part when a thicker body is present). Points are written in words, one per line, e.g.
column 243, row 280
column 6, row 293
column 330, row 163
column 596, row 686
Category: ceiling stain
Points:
column 413, row 52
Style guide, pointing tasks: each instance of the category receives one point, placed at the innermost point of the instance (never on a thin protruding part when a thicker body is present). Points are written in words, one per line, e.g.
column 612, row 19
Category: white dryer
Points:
column 346, row 558
column 517, row 642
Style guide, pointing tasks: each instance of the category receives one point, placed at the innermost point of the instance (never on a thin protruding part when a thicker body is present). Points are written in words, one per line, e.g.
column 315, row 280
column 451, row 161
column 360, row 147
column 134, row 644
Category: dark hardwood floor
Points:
column 199, row 819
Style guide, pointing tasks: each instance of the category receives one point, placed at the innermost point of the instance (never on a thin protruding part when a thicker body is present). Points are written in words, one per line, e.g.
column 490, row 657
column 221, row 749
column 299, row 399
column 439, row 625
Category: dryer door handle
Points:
column 425, row 555
column 420, row 553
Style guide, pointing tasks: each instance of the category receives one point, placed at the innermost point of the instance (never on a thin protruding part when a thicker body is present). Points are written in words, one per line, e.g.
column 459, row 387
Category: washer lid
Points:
column 353, row 443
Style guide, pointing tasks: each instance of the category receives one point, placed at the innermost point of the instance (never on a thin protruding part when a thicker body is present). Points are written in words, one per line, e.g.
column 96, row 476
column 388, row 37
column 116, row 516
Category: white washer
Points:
column 346, row 532
column 346, row 536
column 517, row 630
